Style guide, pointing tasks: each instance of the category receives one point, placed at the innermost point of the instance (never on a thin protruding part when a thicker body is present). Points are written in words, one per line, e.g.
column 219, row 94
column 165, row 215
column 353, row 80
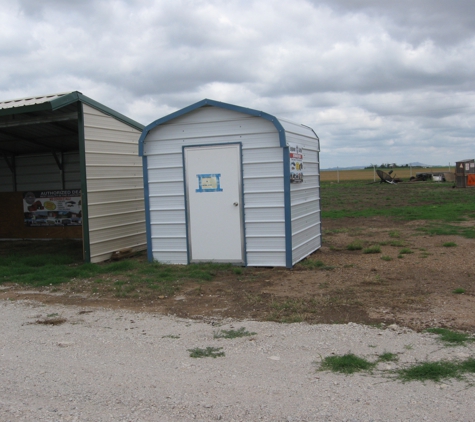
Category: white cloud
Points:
column 378, row 81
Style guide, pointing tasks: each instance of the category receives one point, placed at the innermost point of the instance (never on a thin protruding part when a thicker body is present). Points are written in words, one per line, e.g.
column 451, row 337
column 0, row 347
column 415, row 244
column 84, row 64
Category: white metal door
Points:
column 214, row 209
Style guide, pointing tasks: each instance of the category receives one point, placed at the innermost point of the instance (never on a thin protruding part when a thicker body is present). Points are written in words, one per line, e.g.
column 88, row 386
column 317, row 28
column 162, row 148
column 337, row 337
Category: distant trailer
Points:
column 230, row 184
column 70, row 170
column 465, row 173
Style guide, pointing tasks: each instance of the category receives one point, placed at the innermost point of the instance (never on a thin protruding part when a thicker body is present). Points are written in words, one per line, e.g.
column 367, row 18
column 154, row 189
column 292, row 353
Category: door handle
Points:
column 235, row 204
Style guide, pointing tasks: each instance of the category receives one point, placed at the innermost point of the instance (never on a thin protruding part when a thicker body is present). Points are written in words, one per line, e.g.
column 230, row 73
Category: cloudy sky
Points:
column 378, row 81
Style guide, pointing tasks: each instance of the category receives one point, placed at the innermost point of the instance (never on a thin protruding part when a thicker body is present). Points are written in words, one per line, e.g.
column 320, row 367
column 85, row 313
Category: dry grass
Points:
column 368, row 174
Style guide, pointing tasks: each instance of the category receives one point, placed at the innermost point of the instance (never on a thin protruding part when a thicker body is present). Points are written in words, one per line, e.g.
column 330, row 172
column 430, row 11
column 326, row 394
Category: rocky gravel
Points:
column 67, row 363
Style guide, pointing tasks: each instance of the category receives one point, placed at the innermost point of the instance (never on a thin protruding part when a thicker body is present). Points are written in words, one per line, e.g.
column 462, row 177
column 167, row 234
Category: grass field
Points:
column 431, row 201
column 368, row 174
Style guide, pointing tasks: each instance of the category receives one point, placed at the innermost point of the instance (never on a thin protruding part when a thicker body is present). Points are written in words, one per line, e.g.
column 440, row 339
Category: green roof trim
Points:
column 67, row 99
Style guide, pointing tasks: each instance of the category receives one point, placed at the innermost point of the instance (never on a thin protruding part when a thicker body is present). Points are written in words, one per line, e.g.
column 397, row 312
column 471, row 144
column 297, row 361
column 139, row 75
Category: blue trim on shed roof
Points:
column 206, row 102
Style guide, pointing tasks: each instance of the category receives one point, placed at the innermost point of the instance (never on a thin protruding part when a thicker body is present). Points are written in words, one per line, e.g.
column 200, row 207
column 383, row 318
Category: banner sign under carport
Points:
column 52, row 208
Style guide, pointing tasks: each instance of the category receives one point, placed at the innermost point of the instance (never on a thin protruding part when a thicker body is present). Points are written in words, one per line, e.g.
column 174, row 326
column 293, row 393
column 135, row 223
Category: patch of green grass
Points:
column 441, row 229
column 126, row 277
column 451, row 338
column 468, row 365
column 356, row 245
column 209, row 352
column 458, row 291
column 311, row 264
column 449, row 244
column 388, row 357
column 394, row 234
column 335, row 231
column 397, row 243
column 429, row 371
column 241, row 332
column 386, row 258
column 372, row 249
column 405, row 251
column 346, row 364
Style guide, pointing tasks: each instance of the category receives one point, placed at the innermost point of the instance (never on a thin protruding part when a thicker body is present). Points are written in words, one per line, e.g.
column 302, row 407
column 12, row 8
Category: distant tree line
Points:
column 390, row 166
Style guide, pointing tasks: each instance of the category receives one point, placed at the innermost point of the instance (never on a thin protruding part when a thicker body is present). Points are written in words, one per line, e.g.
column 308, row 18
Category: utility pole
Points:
column 337, row 174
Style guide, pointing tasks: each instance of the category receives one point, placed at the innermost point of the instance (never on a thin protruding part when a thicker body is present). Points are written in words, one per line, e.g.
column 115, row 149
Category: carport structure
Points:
column 67, row 149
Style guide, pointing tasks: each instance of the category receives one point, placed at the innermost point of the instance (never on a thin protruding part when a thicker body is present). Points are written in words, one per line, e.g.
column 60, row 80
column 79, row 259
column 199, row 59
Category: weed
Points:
column 449, row 244
column 458, row 291
column 429, row 371
column 468, row 365
column 171, row 336
column 252, row 298
column 316, row 264
column 292, row 319
column 335, row 231
column 441, row 229
column 451, row 338
column 388, row 357
column 346, row 364
column 51, row 315
column 372, row 249
column 397, row 243
column 209, row 352
column 409, row 346
column 51, row 321
column 241, row 332
column 386, row 258
column 405, row 251
column 394, row 234
column 400, row 256
column 356, row 245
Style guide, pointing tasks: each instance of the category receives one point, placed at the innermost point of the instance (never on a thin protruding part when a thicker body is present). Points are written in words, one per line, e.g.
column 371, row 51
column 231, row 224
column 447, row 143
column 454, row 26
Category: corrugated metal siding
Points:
column 22, row 102
column 37, row 172
column 72, row 170
column 40, row 172
column 262, row 174
column 305, row 197
column 114, row 184
column 6, row 177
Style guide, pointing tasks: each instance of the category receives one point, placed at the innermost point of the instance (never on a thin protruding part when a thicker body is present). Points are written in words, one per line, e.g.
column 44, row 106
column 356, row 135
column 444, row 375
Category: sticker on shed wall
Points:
column 208, row 183
column 296, row 163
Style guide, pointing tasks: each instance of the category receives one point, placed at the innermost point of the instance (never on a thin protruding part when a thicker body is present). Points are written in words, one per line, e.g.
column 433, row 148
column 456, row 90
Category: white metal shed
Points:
column 70, row 170
column 225, row 183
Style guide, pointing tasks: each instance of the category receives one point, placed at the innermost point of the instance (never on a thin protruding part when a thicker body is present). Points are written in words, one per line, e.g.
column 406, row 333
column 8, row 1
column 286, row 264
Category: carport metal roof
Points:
column 46, row 124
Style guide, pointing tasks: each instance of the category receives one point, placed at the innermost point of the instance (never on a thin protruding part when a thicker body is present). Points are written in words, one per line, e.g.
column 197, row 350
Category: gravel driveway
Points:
column 112, row 365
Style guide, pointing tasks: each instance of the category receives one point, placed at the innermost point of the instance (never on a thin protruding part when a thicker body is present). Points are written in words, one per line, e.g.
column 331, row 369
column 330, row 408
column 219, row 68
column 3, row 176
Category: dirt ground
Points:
column 333, row 285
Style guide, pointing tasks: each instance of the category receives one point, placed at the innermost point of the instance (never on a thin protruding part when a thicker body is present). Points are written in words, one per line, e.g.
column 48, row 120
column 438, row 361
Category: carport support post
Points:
column 82, row 165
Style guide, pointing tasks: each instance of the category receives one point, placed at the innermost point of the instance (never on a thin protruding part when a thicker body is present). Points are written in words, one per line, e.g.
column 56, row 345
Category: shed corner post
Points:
column 84, row 203
column 146, row 191
column 287, row 208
